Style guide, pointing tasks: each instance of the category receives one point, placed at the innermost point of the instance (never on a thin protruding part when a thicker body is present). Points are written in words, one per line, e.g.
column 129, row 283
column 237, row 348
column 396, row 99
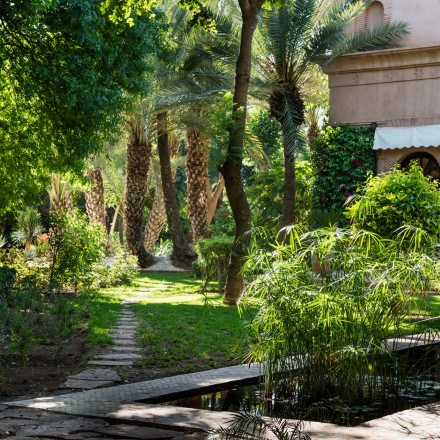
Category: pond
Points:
column 421, row 388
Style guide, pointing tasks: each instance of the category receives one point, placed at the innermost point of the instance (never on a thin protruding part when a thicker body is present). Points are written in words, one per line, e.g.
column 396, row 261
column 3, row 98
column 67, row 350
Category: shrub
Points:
column 28, row 227
column 342, row 158
column 399, row 198
column 214, row 256
column 76, row 245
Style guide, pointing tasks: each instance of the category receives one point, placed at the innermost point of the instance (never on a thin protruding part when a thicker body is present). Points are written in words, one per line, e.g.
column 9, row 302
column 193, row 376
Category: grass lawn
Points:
column 178, row 332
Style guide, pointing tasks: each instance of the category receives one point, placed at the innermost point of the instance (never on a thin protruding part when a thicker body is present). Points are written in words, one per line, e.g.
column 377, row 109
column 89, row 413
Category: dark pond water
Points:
column 416, row 391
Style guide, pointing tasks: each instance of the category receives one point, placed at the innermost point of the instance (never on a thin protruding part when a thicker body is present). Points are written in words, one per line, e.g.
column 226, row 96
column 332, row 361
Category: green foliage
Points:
column 120, row 269
column 7, row 279
column 388, row 202
column 342, row 158
column 323, row 336
column 214, row 254
column 66, row 75
column 28, row 227
column 76, row 246
column 268, row 132
column 266, row 195
column 222, row 224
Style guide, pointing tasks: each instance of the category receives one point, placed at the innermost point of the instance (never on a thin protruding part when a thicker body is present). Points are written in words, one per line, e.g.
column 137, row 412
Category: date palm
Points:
column 95, row 202
column 293, row 38
column 138, row 162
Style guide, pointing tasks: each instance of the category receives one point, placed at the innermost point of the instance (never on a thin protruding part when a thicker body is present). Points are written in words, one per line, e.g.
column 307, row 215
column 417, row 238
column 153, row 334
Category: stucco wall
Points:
column 394, row 87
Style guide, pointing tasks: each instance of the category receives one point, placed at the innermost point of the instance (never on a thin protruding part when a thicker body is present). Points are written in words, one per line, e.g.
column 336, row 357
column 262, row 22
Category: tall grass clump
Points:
column 320, row 337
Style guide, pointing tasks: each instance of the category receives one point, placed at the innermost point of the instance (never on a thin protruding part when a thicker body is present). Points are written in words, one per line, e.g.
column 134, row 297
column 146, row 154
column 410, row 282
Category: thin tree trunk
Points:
column 95, row 204
column 138, row 162
column 182, row 254
column 115, row 219
column 214, row 198
column 158, row 215
column 196, row 176
column 287, row 217
column 231, row 169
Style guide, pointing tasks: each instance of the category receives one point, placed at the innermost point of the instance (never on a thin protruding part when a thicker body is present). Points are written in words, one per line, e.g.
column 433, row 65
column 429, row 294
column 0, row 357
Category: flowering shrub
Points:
column 342, row 158
column 222, row 224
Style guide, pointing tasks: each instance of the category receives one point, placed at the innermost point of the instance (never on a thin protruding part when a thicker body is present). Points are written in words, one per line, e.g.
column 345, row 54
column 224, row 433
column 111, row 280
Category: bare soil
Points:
column 45, row 370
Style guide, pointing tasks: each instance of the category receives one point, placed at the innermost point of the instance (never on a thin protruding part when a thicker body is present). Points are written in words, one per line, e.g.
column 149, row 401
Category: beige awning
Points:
column 405, row 137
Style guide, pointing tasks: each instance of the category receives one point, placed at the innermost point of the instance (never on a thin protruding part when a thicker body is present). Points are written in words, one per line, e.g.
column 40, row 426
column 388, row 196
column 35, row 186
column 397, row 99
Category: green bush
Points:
column 76, row 245
column 399, row 198
column 342, row 158
column 7, row 279
column 214, row 256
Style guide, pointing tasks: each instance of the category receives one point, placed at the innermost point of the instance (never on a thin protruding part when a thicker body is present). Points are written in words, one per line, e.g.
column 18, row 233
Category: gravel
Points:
column 163, row 264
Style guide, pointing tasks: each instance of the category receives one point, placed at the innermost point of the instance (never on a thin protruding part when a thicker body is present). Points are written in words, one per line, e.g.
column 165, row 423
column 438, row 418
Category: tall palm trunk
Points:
column 158, row 215
column 138, row 162
column 290, row 123
column 196, row 175
column 182, row 254
column 231, row 169
column 95, row 204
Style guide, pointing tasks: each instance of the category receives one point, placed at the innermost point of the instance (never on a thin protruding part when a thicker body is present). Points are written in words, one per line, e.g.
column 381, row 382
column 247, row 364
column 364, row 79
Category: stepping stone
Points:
column 126, row 327
column 121, row 336
column 119, row 356
column 124, row 342
column 111, row 363
column 130, row 348
column 126, row 312
column 62, row 428
column 138, row 432
column 83, row 436
column 128, row 320
column 87, row 384
column 99, row 374
column 123, row 331
column 3, row 407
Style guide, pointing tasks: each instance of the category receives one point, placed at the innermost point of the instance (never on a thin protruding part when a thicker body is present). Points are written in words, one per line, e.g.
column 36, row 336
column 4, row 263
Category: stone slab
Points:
column 138, row 432
column 128, row 320
column 119, row 356
column 62, row 428
column 130, row 348
column 97, row 374
column 124, row 342
column 111, row 363
column 33, row 414
column 9, row 426
column 121, row 336
column 126, row 327
column 122, row 333
column 127, row 312
column 3, row 407
column 87, row 384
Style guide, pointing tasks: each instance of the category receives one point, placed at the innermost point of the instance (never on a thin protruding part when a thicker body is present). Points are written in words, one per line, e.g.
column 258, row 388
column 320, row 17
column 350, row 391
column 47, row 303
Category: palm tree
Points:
column 294, row 38
column 138, row 162
column 158, row 215
column 189, row 90
column 95, row 202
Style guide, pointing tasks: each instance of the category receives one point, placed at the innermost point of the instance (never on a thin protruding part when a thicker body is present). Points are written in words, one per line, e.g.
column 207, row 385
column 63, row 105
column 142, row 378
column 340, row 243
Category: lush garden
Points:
column 133, row 135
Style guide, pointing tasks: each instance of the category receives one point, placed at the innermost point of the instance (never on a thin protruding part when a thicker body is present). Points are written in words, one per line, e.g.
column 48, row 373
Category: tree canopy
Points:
column 67, row 72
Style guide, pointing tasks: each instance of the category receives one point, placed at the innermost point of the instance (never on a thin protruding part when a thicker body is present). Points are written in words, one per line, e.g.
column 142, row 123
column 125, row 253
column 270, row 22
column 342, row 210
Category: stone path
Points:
column 124, row 351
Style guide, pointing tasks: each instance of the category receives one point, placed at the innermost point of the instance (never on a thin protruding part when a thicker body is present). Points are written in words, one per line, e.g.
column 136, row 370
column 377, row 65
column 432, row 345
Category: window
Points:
column 427, row 162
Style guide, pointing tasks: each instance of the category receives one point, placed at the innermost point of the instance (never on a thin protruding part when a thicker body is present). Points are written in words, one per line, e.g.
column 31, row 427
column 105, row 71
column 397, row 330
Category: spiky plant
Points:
column 28, row 226
column 3, row 240
column 60, row 194
column 253, row 427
